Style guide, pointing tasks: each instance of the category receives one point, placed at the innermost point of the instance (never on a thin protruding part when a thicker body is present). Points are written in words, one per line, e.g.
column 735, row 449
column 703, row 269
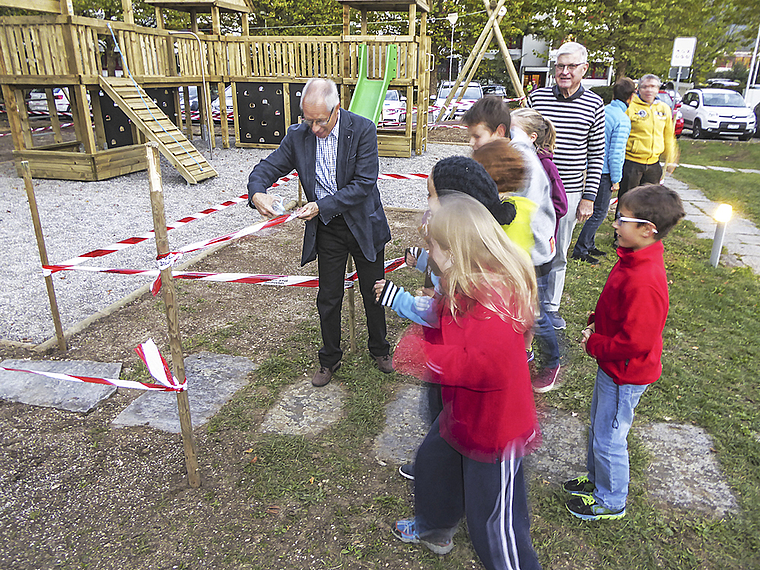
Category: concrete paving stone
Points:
column 721, row 168
column 562, row 454
column 694, row 166
column 684, row 472
column 749, row 170
column 61, row 394
column 305, row 410
column 406, row 426
column 212, row 380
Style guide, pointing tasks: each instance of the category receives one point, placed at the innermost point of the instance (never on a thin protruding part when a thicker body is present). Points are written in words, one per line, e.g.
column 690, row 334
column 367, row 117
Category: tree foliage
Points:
column 638, row 35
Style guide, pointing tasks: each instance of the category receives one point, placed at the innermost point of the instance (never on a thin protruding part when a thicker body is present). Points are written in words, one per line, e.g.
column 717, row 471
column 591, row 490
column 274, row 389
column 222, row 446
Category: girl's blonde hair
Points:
column 531, row 121
column 487, row 267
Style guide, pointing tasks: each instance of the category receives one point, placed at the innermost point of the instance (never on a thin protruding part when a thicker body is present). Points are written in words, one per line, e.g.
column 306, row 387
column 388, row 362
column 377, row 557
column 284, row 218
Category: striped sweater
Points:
column 579, row 120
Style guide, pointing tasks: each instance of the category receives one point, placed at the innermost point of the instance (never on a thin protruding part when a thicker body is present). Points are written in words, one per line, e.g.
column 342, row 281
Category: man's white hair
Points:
column 649, row 76
column 318, row 89
column 570, row 48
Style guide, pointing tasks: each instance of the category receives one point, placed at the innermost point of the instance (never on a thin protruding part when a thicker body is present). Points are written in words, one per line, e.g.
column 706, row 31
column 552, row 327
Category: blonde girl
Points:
column 470, row 463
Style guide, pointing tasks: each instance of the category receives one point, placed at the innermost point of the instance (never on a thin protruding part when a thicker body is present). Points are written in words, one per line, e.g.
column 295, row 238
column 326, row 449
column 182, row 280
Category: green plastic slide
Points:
column 369, row 94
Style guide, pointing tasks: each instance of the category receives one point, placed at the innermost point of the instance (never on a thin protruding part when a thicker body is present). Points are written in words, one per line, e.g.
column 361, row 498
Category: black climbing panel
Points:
column 117, row 125
column 261, row 115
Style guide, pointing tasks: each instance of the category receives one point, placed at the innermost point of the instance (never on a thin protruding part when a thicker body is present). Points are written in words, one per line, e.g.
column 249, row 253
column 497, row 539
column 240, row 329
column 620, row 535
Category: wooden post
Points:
column 172, row 314
column 27, row 174
column 507, row 58
column 53, row 112
column 352, row 308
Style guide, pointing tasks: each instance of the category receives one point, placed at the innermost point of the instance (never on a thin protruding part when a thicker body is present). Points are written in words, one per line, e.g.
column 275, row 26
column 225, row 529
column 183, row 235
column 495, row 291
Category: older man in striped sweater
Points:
column 578, row 116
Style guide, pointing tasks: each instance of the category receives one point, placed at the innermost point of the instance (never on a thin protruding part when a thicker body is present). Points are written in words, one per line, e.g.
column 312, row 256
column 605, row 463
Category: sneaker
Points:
column 407, row 471
column 598, row 252
column 580, row 486
column 585, row 257
column 588, row 509
column 384, row 363
column 323, row 376
column 405, row 532
column 557, row 322
column 547, row 379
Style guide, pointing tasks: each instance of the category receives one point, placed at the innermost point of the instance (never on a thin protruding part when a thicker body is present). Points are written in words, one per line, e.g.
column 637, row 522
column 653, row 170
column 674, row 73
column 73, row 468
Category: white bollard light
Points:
column 722, row 215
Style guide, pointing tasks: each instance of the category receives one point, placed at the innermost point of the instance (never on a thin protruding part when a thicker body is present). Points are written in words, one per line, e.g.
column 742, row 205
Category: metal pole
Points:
column 752, row 74
column 678, row 83
column 27, row 175
column 172, row 314
column 451, row 51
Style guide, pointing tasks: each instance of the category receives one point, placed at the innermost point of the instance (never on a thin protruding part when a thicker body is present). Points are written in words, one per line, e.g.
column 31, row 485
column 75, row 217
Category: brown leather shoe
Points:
column 323, row 376
column 384, row 363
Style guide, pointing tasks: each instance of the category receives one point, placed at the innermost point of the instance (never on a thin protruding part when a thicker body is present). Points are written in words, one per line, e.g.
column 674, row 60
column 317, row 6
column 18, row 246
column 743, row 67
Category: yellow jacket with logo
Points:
column 651, row 132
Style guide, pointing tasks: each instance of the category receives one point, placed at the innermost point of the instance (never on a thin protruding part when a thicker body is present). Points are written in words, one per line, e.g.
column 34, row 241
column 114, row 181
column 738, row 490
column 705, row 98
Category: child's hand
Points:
column 411, row 256
column 378, row 288
column 586, row 334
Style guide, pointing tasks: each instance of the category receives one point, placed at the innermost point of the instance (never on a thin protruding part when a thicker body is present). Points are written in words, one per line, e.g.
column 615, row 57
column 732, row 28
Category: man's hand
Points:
column 308, row 211
column 263, row 203
column 584, row 211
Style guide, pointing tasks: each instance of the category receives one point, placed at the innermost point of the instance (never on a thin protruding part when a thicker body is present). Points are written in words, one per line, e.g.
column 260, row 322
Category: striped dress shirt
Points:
column 327, row 155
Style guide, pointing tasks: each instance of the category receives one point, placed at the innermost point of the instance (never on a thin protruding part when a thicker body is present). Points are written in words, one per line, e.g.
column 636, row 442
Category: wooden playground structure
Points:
column 59, row 49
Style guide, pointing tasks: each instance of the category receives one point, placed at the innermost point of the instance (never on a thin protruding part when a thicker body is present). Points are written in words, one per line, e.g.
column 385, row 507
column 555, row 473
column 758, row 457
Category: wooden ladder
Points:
column 157, row 127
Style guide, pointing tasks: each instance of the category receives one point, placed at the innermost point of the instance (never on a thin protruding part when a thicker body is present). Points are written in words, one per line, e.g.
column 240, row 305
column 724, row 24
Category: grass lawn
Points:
column 709, row 380
column 740, row 190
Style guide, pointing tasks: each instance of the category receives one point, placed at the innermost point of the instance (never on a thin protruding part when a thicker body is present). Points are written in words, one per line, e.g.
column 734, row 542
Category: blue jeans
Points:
column 601, row 207
column 612, row 408
column 547, row 336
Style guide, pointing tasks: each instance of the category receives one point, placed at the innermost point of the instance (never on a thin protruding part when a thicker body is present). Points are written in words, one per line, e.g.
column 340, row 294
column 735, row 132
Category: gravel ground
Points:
column 78, row 217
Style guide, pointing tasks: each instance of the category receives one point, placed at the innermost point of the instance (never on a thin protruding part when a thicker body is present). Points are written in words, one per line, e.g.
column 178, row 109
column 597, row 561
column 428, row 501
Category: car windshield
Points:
column 471, row 93
column 391, row 96
column 665, row 98
column 727, row 99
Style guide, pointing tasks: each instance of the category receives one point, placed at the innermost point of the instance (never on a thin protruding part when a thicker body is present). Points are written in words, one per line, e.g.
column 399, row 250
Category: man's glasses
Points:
column 619, row 218
column 320, row 122
column 570, row 67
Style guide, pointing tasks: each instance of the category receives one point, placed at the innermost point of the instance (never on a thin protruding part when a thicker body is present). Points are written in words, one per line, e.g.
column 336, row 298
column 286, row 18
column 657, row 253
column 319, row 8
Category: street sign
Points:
column 683, row 52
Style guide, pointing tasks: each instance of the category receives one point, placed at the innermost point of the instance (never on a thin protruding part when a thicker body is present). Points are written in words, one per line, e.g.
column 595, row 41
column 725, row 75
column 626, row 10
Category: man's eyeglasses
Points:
column 570, row 67
column 320, row 122
column 619, row 218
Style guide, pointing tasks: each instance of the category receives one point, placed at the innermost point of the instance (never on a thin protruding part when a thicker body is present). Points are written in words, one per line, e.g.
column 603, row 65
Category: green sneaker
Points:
column 585, row 507
column 579, row 487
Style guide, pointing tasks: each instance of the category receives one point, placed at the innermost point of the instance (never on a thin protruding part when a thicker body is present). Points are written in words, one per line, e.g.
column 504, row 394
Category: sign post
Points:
column 683, row 55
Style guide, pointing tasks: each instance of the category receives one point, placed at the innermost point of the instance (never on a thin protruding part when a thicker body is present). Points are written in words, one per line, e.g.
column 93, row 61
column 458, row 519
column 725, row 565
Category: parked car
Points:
column 472, row 93
column 37, row 100
column 495, row 90
column 667, row 98
column 228, row 94
column 193, row 97
column 722, row 82
column 394, row 107
column 717, row 112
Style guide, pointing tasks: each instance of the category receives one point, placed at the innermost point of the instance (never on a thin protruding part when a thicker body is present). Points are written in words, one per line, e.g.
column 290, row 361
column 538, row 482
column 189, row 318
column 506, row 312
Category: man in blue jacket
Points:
column 617, row 127
column 334, row 152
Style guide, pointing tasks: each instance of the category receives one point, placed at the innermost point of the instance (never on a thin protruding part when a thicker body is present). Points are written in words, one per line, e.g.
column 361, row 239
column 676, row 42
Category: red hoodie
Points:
column 479, row 360
column 630, row 317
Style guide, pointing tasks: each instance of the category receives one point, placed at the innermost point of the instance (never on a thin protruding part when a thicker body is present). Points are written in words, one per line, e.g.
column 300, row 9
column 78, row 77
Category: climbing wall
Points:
column 261, row 113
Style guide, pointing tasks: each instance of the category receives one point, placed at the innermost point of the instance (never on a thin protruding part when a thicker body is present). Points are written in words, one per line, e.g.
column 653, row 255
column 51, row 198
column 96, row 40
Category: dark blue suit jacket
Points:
column 357, row 198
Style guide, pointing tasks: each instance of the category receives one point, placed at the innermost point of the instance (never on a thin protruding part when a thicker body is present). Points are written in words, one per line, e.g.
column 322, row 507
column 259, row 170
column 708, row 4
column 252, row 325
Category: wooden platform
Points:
column 65, row 164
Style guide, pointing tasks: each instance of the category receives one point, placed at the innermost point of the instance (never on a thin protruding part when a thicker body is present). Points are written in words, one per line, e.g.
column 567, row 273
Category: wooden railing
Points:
column 58, row 49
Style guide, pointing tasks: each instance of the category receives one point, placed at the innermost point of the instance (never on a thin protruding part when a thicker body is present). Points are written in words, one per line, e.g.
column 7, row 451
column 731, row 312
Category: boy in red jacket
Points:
column 624, row 334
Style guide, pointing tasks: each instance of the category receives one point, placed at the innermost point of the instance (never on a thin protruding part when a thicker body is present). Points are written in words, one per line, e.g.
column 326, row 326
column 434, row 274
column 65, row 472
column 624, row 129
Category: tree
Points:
column 638, row 34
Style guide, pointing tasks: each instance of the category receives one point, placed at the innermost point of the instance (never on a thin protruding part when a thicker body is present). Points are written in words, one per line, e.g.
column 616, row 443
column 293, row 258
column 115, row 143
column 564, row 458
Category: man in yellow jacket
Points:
column 651, row 135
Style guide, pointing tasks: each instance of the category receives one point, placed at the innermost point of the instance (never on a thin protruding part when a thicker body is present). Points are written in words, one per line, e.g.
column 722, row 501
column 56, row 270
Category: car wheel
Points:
column 696, row 130
column 746, row 136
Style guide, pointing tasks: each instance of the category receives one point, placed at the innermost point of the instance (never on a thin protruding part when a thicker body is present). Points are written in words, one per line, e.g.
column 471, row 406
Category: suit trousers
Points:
column 334, row 244
column 635, row 174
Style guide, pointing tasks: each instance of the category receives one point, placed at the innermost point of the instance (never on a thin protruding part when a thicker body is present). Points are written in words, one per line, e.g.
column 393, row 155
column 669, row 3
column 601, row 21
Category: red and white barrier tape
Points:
column 41, row 129
column 125, row 243
column 279, row 280
column 148, row 353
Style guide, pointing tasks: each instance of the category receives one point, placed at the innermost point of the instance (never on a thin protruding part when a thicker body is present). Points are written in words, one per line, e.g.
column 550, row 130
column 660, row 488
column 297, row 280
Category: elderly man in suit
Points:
column 334, row 152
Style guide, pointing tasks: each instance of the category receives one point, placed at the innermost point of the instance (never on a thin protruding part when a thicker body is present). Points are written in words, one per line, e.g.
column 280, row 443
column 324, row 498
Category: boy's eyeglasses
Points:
column 320, row 122
column 619, row 218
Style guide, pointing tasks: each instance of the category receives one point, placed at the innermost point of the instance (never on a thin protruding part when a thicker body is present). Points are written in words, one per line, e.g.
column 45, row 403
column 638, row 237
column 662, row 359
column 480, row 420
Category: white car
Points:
column 473, row 92
column 228, row 97
column 717, row 112
column 37, row 100
column 394, row 107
